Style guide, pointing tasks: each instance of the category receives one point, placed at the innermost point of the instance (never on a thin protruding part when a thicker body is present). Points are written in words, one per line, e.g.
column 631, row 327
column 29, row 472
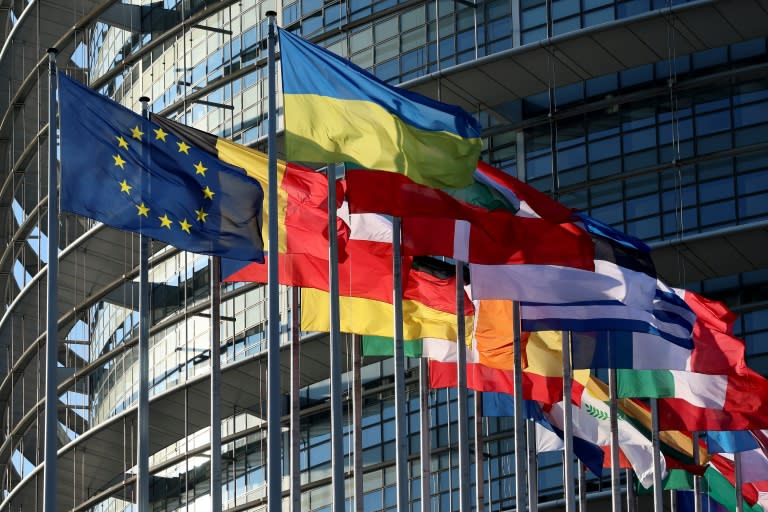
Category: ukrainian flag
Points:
column 338, row 112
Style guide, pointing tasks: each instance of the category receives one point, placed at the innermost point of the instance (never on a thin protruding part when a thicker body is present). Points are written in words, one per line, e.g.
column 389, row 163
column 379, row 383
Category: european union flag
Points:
column 124, row 170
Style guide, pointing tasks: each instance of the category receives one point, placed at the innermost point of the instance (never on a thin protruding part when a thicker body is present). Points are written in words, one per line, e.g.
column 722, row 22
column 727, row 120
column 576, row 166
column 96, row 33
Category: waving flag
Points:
column 669, row 319
column 490, row 362
column 429, row 301
column 731, row 402
column 731, row 441
column 338, row 112
column 621, row 273
column 591, row 422
column 491, row 189
column 699, row 398
column 126, row 171
column 372, row 317
column 493, row 223
column 722, row 472
column 714, row 351
column 548, row 437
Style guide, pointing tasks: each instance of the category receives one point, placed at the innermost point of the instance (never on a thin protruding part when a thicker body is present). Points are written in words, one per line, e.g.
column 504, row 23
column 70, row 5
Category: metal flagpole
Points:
column 51, row 336
column 570, row 502
column 295, row 405
column 461, row 384
column 672, row 500
column 425, row 433
column 696, row 478
column 739, row 483
column 533, row 468
column 630, row 490
column 401, row 434
column 582, row 487
column 614, row 422
column 658, row 499
column 215, row 264
column 479, row 448
column 142, row 408
column 274, row 462
column 337, row 435
column 517, row 386
column 357, row 411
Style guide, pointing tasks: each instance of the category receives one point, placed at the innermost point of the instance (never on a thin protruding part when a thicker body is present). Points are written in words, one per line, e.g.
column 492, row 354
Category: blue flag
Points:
column 730, row 441
column 129, row 173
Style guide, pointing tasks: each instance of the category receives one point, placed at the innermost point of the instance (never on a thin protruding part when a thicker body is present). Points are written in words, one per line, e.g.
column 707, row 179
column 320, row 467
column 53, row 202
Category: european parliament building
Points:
column 651, row 115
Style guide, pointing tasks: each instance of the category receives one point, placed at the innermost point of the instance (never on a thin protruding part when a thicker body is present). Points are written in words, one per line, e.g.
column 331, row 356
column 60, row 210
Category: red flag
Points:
column 512, row 223
column 742, row 407
column 716, row 351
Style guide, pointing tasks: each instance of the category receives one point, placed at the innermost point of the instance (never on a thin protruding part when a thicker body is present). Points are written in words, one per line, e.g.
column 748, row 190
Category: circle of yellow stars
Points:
column 142, row 210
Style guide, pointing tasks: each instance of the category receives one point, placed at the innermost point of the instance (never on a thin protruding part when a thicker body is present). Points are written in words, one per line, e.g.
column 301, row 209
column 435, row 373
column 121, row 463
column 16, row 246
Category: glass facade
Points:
column 670, row 151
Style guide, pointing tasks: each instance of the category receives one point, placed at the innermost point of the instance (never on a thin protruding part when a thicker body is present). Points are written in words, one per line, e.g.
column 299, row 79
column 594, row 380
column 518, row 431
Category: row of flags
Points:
column 418, row 159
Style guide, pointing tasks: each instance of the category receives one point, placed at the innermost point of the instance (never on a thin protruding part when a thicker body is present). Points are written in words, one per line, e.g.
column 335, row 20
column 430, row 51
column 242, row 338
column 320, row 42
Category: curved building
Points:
column 650, row 115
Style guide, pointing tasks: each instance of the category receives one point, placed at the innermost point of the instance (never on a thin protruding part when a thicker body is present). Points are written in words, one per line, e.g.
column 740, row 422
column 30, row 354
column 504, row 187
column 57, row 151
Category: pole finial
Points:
column 270, row 14
column 52, row 50
column 144, row 99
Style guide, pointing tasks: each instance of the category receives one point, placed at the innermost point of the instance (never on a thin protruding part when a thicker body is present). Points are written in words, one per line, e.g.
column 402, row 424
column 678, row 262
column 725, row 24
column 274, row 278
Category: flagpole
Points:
column 517, row 387
column 533, row 468
column 658, row 500
column 425, row 434
column 215, row 267
column 337, row 435
column 357, row 411
column 142, row 407
column 582, row 487
column 274, row 462
column 614, row 425
column 570, row 502
column 630, row 490
column 295, row 483
column 461, row 384
column 401, row 434
column 51, row 336
column 479, row 448
column 696, row 478
column 739, row 483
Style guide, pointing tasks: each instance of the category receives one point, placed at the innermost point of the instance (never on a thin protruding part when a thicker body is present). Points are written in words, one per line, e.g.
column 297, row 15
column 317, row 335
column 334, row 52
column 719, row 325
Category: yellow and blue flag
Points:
column 126, row 171
column 336, row 111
